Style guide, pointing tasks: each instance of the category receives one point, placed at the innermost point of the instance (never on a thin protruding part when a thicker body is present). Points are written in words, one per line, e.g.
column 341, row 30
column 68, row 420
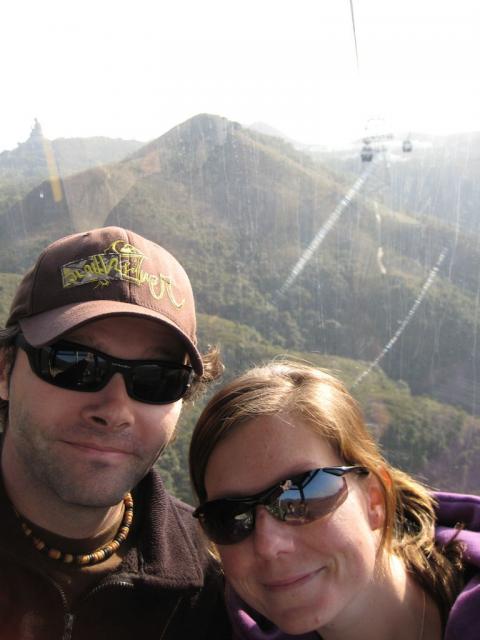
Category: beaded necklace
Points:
column 84, row 559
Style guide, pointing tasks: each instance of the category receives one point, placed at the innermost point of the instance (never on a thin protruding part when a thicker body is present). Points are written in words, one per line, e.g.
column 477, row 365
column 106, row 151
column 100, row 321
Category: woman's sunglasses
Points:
column 79, row 368
column 298, row 500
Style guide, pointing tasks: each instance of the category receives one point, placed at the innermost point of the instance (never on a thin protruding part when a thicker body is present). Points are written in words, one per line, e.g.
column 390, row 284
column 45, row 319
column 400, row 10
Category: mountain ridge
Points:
column 265, row 202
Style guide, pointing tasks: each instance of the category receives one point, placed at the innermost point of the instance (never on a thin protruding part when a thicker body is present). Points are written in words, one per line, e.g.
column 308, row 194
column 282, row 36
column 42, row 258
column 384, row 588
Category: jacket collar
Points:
column 171, row 550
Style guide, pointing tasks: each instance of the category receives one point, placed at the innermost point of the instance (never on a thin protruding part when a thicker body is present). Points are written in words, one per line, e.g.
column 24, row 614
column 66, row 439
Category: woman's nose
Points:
column 271, row 537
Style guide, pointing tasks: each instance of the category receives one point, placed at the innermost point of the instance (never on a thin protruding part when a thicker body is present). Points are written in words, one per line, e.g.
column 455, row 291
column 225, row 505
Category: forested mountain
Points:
column 34, row 160
column 239, row 208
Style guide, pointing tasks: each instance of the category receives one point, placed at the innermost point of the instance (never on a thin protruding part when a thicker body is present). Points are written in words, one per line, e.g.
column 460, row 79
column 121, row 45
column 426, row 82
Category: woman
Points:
column 317, row 533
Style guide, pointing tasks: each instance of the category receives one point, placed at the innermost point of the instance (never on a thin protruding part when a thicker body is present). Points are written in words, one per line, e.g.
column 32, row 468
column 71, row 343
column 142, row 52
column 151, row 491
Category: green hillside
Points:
column 8, row 285
column 239, row 208
column 416, row 433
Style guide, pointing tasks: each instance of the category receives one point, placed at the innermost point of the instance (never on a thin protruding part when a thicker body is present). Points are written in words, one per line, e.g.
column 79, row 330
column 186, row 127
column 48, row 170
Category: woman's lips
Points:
column 291, row 581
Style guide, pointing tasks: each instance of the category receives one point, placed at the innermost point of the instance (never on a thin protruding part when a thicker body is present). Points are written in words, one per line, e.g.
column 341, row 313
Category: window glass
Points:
column 314, row 166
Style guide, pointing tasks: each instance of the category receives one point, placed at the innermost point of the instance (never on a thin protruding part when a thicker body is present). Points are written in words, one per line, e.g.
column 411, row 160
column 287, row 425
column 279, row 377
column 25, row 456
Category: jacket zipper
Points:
column 69, row 616
column 104, row 585
column 122, row 583
column 172, row 615
column 68, row 626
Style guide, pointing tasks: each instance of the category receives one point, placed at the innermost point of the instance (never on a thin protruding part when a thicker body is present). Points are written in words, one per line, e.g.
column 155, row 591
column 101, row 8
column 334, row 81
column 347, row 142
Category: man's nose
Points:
column 111, row 407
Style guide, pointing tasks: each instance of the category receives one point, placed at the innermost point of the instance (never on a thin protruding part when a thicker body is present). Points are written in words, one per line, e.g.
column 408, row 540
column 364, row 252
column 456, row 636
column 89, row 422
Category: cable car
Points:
column 407, row 146
column 367, row 153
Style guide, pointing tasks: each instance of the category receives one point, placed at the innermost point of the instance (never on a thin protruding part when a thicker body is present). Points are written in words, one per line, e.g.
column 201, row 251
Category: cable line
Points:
column 426, row 286
column 326, row 227
column 354, row 35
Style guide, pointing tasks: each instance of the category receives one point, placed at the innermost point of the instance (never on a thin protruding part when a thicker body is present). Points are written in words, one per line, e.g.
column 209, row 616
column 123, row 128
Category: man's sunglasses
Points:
column 298, row 500
column 79, row 368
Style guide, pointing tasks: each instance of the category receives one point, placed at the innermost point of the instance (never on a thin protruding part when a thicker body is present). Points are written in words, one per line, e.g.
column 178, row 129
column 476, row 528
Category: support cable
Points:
column 426, row 286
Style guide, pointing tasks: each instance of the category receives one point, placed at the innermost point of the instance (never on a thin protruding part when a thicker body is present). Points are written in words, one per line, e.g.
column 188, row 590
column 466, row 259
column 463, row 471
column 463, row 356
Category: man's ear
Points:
column 5, row 369
column 376, row 500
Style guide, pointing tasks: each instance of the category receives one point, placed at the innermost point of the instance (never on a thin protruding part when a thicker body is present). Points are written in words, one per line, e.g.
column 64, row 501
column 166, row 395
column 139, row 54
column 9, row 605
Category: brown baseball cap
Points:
column 104, row 272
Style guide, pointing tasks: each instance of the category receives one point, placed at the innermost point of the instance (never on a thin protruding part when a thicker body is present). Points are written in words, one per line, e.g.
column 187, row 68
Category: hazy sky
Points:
column 136, row 69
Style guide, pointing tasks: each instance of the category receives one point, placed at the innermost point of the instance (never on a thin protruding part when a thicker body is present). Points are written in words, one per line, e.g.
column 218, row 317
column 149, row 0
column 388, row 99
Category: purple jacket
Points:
column 464, row 619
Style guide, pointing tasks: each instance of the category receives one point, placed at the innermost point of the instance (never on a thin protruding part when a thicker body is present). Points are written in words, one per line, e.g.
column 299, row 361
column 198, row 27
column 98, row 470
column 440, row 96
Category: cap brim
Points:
column 43, row 328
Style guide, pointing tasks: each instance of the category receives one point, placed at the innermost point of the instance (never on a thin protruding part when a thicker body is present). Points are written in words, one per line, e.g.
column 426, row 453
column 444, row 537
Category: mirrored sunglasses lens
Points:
column 320, row 495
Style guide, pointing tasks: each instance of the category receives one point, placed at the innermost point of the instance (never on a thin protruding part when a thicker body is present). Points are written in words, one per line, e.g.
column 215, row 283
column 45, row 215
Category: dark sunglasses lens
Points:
column 73, row 368
column 158, row 384
column 318, row 496
column 81, row 369
column 226, row 522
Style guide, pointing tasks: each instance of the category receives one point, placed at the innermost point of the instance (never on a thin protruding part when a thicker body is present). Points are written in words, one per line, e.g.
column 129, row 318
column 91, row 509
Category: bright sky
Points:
column 135, row 69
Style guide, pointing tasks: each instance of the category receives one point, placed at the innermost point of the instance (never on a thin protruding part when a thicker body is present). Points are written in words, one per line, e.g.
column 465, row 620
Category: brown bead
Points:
column 98, row 556
column 55, row 554
column 38, row 544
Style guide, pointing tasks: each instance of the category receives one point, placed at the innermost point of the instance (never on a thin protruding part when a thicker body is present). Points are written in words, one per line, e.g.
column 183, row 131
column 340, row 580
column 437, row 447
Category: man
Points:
column 98, row 353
